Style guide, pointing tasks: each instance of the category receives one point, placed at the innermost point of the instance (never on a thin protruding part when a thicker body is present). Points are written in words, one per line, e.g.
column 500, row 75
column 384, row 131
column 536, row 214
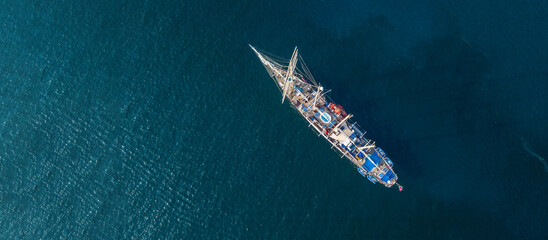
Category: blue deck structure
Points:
column 368, row 165
column 375, row 157
column 388, row 176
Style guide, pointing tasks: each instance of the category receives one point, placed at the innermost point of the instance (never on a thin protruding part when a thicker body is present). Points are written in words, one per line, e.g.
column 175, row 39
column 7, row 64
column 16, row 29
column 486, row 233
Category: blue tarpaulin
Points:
column 361, row 155
column 388, row 176
column 375, row 157
column 368, row 165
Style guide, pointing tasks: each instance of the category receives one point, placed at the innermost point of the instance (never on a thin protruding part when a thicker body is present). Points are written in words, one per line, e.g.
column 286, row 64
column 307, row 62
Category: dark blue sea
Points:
column 154, row 119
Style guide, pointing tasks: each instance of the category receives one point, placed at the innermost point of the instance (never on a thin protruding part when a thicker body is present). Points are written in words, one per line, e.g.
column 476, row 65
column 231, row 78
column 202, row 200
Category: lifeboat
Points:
column 338, row 109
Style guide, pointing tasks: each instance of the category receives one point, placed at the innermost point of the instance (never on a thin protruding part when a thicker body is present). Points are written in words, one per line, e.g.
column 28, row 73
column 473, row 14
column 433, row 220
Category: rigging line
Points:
column 274, row 56
column 307, row 70
column 275, row 62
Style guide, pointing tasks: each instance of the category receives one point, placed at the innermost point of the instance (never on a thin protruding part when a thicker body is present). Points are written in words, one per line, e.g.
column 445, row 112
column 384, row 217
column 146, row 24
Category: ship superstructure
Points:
column 328, row 119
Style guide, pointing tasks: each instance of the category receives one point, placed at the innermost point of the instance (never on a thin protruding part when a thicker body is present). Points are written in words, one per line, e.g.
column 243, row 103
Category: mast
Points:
column 344, row 120
column 367, row 145
column 289, row 75
column 318, row 92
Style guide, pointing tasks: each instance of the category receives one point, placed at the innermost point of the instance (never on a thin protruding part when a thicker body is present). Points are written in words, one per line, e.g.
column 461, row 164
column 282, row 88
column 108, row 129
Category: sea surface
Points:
column 154, row 120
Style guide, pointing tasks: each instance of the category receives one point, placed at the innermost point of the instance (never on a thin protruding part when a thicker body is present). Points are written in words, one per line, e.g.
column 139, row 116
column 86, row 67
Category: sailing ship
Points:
column 327, row 118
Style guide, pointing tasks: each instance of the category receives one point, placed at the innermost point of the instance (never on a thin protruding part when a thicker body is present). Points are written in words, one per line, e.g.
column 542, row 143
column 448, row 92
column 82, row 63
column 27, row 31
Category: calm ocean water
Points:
column 154, row 120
